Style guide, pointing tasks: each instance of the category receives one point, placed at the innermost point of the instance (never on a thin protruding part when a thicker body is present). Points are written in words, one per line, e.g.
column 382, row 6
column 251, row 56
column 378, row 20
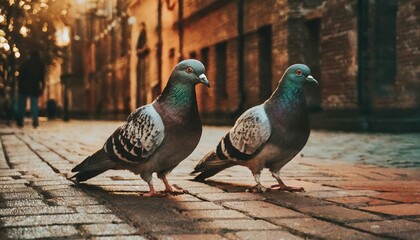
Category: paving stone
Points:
column 404, row 197
column 76, row 218
column 20, row 195
column 214, row 214
column 321, row 229
column 109, row 229
column 397, row 209
column 339, row 214
column 388, row 186
column 22, row 203
column 197, row 206
column 16, row 190
column 175, row 226
column 190, row 237
column 132, row 237
column 14, row 181
column 395, row 228
column 266, row 235
column 230, row 196
column 5, row 179
column 73, row 201
column 238, row 224
column 67, row 192
column 360, row 201
column 293, row 200
column 262, row 209
column 35, row 210
column 52, row 231
column 120, row 188
column 183, row 198
column 12, row 186
column 340, row 193
column 52, row 182
column 9, row 173
column 200, row 190
column 54, row 187
column 93, row 209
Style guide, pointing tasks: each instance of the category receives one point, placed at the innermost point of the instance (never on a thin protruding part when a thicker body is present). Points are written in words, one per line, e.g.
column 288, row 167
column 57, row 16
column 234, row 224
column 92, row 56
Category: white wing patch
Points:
column 139, row 137
column 251, row 130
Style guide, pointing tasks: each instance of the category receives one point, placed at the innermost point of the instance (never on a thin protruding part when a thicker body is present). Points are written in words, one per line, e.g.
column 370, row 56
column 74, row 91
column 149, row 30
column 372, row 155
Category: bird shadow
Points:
column 226, row 186
column 149, row 215
column 95, row 189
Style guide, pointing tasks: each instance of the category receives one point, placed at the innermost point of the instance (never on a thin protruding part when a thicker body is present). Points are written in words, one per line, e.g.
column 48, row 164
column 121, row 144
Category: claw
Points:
column 257, row 189
column 288, row 188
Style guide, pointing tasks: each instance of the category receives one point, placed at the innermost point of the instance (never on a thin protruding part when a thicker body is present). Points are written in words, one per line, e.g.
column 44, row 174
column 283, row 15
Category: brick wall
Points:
column 404, row 93
column 338, row 55
column 330, row 50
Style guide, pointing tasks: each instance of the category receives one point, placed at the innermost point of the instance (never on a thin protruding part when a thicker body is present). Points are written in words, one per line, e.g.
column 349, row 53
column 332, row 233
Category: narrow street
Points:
column 346, row 197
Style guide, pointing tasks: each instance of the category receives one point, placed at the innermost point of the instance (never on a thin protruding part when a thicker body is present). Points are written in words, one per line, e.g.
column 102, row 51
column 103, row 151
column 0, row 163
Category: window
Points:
column 385, row 41
column 193, row 55
column 264, row 62
column 221, row 91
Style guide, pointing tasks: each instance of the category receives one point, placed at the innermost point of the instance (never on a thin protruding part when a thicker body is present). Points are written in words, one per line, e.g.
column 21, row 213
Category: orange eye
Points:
column 299, row 72
column 189, row 70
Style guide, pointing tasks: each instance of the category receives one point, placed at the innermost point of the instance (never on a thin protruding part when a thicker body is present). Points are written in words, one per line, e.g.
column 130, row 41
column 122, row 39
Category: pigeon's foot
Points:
column 287, row 188
column 152, row 194
column 174, row 192
column 257, row 189
column 170, row 190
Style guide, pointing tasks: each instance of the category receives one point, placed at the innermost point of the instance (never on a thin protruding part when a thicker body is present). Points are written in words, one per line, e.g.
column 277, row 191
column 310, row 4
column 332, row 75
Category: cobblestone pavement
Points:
column 344, row 198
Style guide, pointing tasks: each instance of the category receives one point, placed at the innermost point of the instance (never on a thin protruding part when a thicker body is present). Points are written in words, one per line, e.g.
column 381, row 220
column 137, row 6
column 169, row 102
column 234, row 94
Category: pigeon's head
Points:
column 299, row 74
column 190, row 71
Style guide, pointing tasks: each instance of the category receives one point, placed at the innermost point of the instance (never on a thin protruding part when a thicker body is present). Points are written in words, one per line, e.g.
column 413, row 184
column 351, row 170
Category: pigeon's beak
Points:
column 311, row 79
column 203, row 79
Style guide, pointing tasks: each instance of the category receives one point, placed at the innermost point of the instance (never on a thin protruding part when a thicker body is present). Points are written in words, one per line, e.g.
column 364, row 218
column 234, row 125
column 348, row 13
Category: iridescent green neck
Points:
column 179, row 95
column 288, row 94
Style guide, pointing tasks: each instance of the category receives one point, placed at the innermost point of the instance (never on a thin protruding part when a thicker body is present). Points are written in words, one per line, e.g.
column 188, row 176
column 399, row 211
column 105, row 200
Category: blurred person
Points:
column 31, row 82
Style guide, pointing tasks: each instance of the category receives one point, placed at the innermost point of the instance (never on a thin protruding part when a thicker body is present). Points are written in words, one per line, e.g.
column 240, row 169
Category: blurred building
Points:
column 364, row 53
column 95, row 63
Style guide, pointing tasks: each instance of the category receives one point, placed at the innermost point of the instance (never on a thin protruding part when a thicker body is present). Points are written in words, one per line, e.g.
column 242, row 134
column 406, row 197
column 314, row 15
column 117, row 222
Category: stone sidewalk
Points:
column 345, row 198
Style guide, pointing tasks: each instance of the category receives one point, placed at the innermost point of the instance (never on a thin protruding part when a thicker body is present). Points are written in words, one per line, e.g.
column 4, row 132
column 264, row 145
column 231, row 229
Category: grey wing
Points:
column 250, row 132
column 138, row 138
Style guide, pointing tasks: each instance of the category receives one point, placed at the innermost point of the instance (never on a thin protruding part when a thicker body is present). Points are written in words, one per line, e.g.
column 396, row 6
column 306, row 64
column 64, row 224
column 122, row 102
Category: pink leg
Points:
column 283, row 187
column 168, row 187
column 152, row 191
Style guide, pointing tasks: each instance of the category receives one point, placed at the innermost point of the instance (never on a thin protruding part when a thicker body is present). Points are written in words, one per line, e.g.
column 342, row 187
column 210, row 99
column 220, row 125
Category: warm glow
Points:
column 43, row 5
column 1, row 18
column 62, row 36
column 17, row 54
column 132, row 20
column 24, row 31
column 45, row 27
column 6, row 46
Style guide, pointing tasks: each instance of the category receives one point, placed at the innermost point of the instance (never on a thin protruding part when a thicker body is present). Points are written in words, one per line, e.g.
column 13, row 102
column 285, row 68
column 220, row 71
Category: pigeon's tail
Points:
column 92, row 166
column 210, row 165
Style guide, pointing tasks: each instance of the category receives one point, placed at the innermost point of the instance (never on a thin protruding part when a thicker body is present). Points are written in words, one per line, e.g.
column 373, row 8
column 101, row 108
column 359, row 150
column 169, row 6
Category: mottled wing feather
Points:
column 138, row 138
column 247, row 136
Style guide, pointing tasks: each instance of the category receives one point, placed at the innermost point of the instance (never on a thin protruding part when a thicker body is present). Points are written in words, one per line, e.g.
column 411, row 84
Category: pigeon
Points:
column 268, row 135
column 156, row 137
